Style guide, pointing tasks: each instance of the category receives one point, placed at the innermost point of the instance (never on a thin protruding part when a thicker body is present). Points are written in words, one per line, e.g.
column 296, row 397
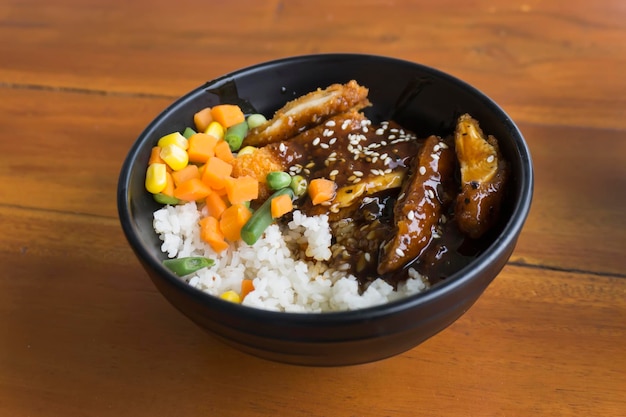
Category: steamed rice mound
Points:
column 286, row 277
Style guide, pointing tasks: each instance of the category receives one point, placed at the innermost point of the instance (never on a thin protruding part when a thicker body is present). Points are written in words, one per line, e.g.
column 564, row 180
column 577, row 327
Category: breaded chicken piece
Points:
column 308, row 110
column 420, row 204
column 483, row 176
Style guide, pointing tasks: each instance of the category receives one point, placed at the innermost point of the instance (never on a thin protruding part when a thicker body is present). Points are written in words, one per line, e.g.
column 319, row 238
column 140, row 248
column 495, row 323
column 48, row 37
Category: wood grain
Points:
column 84, row 332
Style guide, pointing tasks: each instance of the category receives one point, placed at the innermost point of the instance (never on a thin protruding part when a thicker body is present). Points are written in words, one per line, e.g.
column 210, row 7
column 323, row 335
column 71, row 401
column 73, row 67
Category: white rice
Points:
column 283, row 280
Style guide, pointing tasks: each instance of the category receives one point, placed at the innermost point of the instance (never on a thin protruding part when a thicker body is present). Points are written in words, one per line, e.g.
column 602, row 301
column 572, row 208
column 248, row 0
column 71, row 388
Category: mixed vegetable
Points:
column 196, row 165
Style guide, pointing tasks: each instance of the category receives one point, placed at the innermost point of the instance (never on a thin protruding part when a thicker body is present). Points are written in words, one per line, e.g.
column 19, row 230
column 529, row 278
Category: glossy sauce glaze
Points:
column 357, row 155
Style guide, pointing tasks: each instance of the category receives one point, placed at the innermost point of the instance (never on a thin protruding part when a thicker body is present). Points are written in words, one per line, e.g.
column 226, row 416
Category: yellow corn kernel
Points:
column 156, row 178
column 175, row 156
column 246, row 150
column 174, row 139
column 231, row 296
column 215, row 129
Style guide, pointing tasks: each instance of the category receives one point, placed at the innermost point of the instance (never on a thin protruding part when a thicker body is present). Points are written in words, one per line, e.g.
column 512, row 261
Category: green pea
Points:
column 298, row 185
column 278, row 179
column 255, row 120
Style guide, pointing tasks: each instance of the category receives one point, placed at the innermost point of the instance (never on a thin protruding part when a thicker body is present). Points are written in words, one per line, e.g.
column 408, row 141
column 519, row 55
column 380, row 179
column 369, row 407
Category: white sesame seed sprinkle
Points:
column 332, row 141
column 399, row 252
column 330, row 123
column 435, row 156
column 431, row 194
column 443, row 145
column 316, row 141
column 345, row 124
column 380, row 131
column 282, row 147
column 358, row 173
column 436, row 148
column 324, row 145
column 490, row 158
column 422, row 170
column 410, row 215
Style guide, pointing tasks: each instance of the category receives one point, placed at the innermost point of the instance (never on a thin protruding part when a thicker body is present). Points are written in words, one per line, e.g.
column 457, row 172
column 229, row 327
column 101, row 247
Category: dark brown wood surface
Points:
column 83, row 332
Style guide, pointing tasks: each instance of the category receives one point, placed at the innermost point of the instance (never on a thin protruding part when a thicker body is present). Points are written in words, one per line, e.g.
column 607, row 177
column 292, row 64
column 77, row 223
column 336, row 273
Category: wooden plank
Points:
column 71, row 165
column 81, row 340
column 536, row 58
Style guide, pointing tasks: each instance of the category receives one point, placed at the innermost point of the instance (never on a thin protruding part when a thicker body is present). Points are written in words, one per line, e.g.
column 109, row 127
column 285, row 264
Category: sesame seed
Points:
column 435, row 156
column 327, row 133
column 330, row 123
column 356, row 179
column 401, row 196
column 490, row 158
column 374, row 159
column 324, row 145
column 358, row 173
column 431, row 194
column 399, row 252
column 282, row 147
column 332, row 141
column 334, row 172
column 316, row 141
column 436, row 148
column 365, row 129
column 391, row 137
column 443, row 219
column 387, row 171
column 345, row 124
column 310, row 165
column 410, row 215
column 422, row 170
column 442, row 145
column 394, row 130
column 380, row 131
column 351, row 178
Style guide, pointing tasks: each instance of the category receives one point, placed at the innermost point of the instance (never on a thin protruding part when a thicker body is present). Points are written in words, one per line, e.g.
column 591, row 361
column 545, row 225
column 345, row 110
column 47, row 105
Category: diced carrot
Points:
column 281, row 205
column 169, row 187
column 210, row 233
column 155, row 156
column 247, row 286
column 321, row 190
column 232, row 220
column 216, row 172
column 192, row 190
column 242, row 189
column 227, row 114
column 185, row 174
column 201, row 147
column 215, row 204
column 202, row 119
column 222, row 151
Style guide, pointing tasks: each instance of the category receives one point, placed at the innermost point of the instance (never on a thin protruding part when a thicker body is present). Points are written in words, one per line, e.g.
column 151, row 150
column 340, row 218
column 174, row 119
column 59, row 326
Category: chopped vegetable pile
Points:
column 196, row 165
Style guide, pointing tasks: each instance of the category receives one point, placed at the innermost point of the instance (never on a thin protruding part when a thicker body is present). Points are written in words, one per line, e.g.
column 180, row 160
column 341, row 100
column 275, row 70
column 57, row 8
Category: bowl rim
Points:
column 507, row 237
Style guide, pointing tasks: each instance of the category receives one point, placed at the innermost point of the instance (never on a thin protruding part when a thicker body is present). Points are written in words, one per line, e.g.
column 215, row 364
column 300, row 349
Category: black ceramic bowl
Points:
column 420, row 98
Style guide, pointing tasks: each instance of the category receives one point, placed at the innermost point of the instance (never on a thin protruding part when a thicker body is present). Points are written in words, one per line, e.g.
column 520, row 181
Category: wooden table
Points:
column 83, row 332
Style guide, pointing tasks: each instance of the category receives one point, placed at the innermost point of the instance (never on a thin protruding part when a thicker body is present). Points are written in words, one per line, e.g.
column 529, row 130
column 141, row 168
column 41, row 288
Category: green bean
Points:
column 166, row 199
column 186, row 266
column 261, row 218
column 298, row 185
column 234, row 135
column 188, row 132
column 256, row 120
column 277, row 180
